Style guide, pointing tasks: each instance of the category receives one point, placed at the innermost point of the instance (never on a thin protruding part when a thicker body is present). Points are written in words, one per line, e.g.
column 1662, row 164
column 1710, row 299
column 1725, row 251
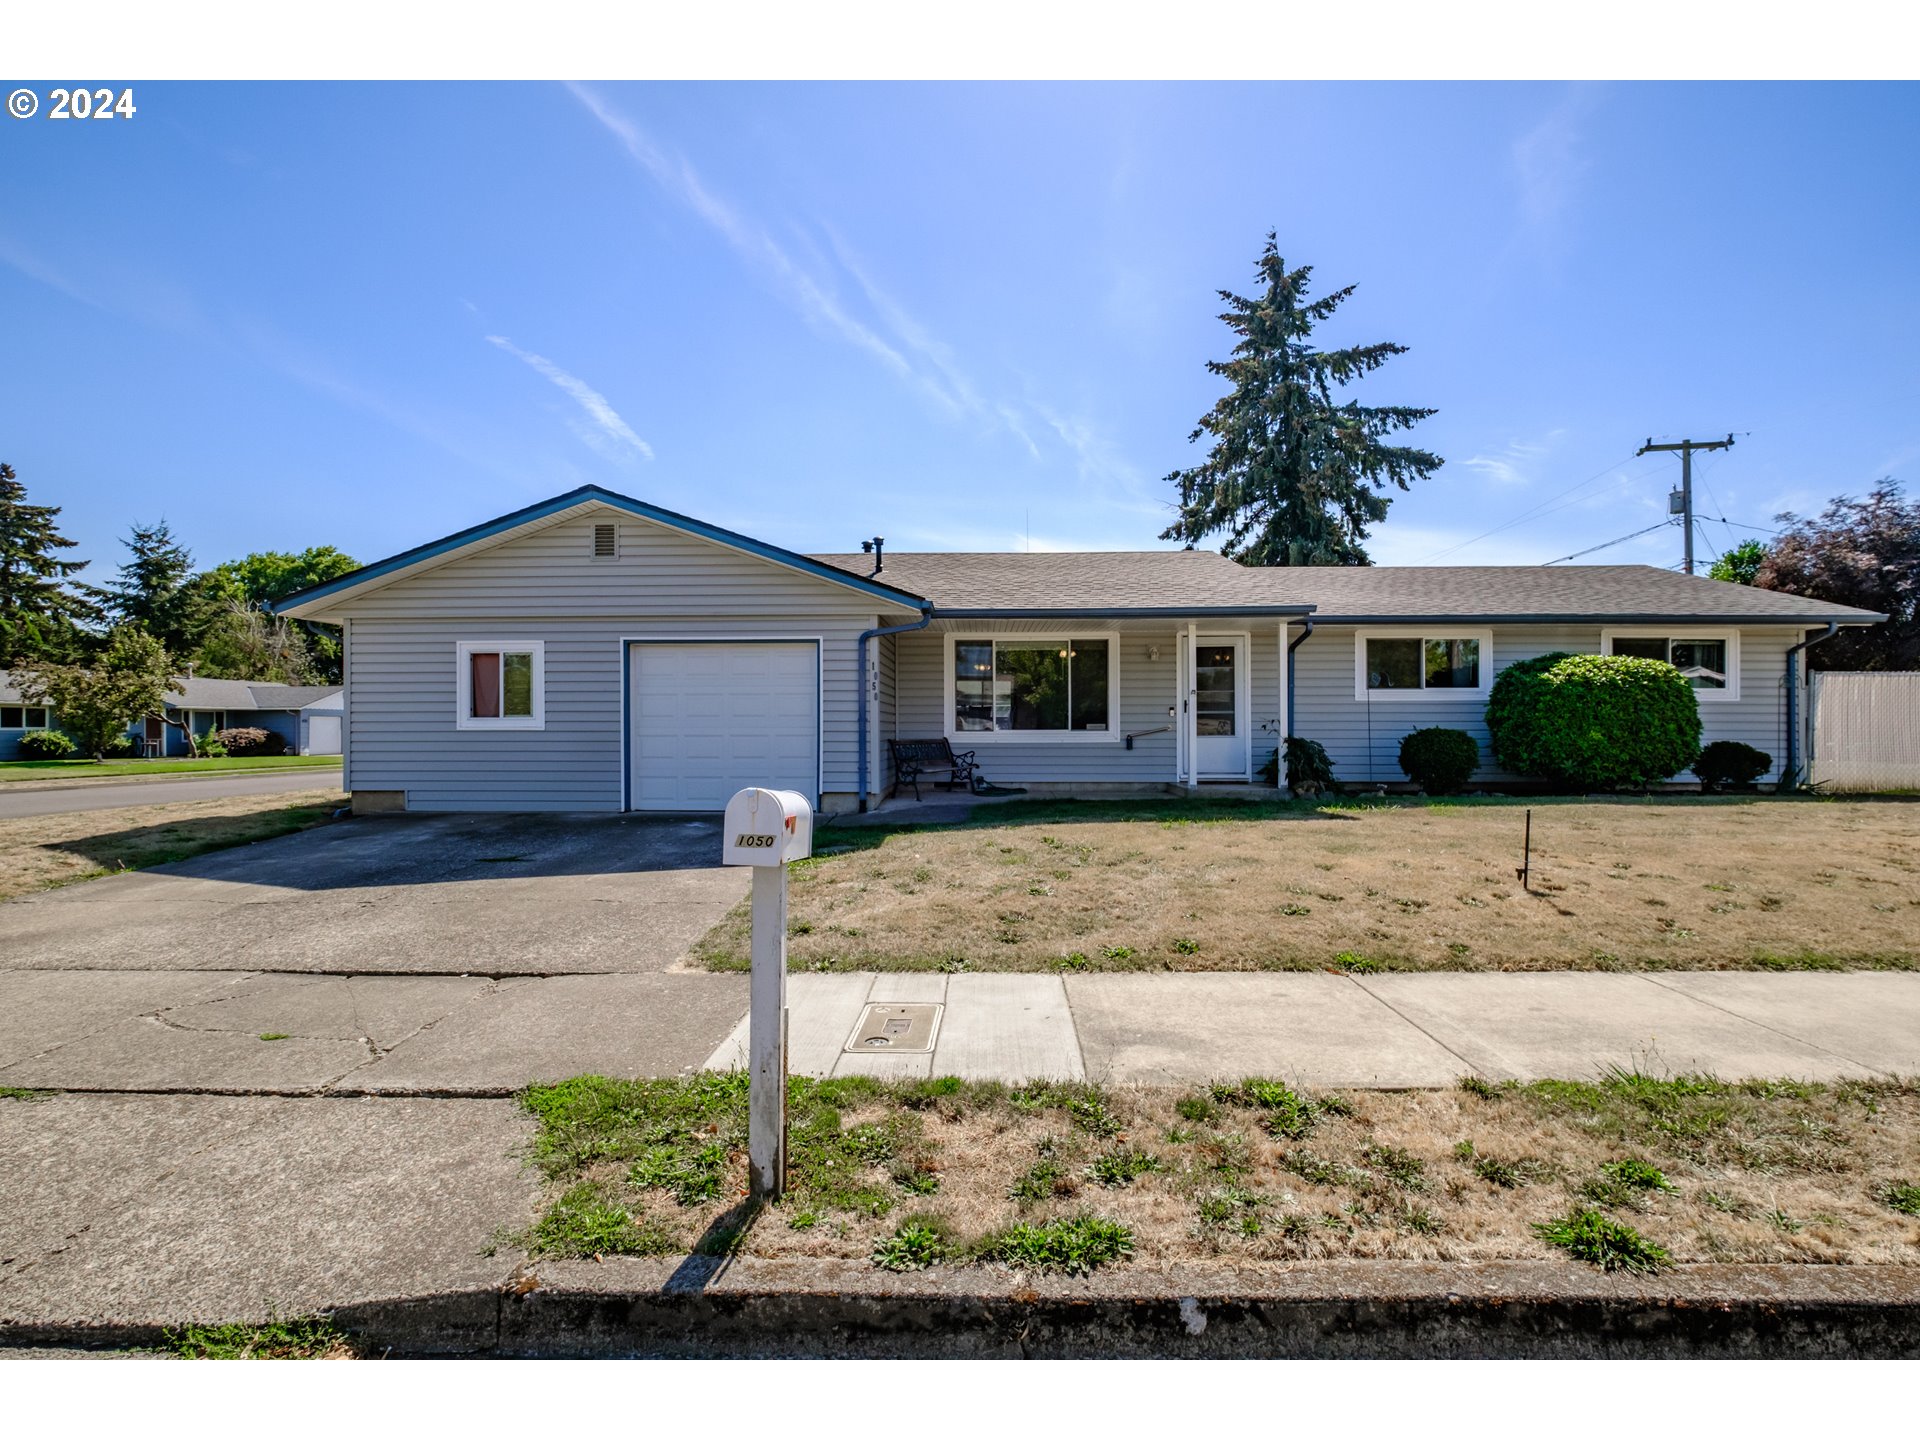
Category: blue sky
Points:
column 958, row 316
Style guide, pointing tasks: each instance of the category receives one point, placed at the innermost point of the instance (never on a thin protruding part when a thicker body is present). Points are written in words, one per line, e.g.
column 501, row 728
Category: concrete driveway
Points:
column 487, row 895
column 23, row 799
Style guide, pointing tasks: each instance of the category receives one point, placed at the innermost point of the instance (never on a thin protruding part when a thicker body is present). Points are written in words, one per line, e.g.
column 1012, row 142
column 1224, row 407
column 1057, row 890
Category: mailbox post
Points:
column 766, row 829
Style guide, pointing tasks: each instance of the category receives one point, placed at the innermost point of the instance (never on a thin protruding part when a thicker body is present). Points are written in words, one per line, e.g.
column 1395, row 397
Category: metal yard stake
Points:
column 1526, row 855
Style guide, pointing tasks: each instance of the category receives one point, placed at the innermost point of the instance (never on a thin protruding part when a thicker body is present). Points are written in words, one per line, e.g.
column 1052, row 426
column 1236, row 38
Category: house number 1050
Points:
column 754, row 842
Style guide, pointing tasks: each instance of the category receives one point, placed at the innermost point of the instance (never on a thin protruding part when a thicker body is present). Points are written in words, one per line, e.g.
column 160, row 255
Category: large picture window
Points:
column 1025, row 685
column 501, row 685
column 1408, row 661
column 25, row 717
column 1708, row 660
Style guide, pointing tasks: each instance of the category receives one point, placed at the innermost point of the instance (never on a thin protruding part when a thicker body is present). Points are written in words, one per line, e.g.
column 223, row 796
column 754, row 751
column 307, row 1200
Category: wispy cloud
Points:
column 605, row 419
column 1516, row 463
column 1548, row 162
column 751, row 241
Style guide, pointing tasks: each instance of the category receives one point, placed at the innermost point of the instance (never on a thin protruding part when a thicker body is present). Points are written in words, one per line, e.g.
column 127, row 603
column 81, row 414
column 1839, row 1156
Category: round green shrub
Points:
column 1594, row 721
column 1727, row 763
column 46, row 745
column 1440, row 761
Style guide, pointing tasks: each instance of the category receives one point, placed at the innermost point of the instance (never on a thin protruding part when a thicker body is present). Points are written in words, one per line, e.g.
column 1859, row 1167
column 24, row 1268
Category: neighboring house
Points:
column 308, row 717
column 595, row 652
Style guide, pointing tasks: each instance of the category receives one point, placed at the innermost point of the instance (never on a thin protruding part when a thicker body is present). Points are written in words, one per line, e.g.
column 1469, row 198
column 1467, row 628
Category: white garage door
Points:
column 709, row 719
column 323, row 735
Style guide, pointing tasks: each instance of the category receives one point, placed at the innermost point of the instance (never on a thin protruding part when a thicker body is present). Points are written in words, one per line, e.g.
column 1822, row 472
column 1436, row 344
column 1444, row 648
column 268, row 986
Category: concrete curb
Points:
column 700, row 1307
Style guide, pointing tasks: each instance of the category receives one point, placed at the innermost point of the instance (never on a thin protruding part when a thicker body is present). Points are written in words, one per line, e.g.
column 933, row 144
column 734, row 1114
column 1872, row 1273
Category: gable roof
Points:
column 305, row 604
column 204, row 693
column 1182, row 582
column 1080, row 582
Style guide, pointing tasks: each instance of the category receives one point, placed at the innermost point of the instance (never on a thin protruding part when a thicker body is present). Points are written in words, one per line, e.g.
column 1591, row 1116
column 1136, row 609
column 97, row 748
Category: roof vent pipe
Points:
column 875, row 547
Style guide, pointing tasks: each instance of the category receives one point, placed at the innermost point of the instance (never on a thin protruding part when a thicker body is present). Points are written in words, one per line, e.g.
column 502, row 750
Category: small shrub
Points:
column 1729, row 765
column 1590, row 1236
column 1075, row 1246
column 1307, row 763
column 209, row 746
column 1440, row 761
column 1595, row 722
column 46, row 745
column 249, row 740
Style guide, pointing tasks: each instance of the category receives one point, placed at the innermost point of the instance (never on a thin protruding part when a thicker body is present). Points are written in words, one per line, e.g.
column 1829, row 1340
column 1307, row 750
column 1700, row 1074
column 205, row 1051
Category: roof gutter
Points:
column 1140, row 612
column 1608, row 617
column 926, row 619
column 1790, row 776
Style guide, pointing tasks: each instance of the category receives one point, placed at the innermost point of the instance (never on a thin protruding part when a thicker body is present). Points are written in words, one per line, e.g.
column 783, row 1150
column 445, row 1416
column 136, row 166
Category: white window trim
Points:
column 46, row 713
column 1420, row 632
column 463, row 685
column 963, row 739
column 1730, row 692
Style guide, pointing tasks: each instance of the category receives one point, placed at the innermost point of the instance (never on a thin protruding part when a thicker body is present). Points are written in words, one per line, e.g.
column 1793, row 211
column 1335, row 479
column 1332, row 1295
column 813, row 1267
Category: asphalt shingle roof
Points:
column 1176, row 580
column 202, row 693
column 1145, row 580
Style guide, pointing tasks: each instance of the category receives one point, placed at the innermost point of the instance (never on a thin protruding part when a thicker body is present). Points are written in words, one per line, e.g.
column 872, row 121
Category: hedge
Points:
column 1597, row 722
column 1440, row 761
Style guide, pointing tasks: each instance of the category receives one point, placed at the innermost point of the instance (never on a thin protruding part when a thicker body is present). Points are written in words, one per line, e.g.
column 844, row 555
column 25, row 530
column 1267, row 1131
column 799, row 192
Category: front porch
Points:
column 1102, row 707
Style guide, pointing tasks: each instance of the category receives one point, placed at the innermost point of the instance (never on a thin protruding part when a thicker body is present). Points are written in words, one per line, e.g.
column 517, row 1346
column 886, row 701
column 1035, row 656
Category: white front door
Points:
column 710, row 719
column 1220, row 741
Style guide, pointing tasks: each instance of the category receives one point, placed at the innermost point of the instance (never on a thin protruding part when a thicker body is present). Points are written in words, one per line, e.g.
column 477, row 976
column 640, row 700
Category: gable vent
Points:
column 606, row 542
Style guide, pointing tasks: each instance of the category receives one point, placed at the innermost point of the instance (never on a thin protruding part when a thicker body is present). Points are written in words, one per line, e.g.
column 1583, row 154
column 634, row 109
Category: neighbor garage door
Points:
column 711, row 718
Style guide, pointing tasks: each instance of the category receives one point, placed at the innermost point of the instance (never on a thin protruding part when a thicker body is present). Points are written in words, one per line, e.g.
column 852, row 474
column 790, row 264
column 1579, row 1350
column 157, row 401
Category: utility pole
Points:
column 1686, row 449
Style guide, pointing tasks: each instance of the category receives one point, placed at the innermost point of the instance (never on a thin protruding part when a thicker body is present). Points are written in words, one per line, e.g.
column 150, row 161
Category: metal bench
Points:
column 914, row 758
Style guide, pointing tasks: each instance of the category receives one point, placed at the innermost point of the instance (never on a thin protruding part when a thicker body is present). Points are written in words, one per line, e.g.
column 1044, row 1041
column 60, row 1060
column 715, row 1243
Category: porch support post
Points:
column 1189, row 722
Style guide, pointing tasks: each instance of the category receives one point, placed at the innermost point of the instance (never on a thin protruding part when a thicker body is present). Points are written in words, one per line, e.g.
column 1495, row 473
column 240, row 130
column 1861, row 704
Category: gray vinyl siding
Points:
column 1363, row 737
column 1147, row 688
column 889, row 708
column 402, row 674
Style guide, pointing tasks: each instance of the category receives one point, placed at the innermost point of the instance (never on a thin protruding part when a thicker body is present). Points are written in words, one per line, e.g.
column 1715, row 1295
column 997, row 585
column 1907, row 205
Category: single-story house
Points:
column 596, row 652
column 308, row 717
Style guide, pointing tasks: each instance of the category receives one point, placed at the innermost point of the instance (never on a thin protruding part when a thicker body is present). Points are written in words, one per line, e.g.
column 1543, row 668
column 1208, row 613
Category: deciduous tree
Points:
column 1856, row 552
column 98, row 702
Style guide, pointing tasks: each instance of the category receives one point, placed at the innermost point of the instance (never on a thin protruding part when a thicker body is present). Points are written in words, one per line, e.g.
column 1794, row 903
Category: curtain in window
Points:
column 486, row 684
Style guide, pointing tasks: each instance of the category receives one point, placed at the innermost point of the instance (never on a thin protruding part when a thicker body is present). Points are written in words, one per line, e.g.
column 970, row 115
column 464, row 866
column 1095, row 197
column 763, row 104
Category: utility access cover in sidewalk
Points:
column 895, row 1028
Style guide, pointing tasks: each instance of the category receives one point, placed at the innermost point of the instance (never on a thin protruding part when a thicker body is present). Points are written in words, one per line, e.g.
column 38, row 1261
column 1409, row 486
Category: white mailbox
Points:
column 767, row 827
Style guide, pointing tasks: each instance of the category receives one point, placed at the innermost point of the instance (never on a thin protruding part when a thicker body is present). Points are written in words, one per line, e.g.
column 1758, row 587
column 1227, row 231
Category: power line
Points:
column 1686, row 449
column 1530, row 513
column 1611, row 543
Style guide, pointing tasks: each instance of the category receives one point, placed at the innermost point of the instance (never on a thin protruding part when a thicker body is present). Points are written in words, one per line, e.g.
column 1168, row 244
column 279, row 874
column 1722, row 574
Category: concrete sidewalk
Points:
column 469, row 1036
column 1387, row 1031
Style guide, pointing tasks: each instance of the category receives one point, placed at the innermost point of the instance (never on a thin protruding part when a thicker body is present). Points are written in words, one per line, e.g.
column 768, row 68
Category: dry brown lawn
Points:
column 39, row 851
column 1759, row 1172
column 1675, row 883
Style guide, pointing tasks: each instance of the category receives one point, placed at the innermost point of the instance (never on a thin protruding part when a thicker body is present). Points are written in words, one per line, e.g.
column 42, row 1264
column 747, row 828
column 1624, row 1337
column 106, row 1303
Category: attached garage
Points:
column 706, row 718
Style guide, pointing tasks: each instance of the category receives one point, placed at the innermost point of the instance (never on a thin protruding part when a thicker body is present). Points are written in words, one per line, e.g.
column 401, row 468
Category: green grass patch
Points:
column 1283, row 1111
column 1590, row 1236
column 275, row 1035
column 586, row 1221
column 1904, row 1196
column 1122, row 1167
column 14, row 1092
column 307, row 1338
column 120, row 769
column 916, row 1243
column 1075, row 1246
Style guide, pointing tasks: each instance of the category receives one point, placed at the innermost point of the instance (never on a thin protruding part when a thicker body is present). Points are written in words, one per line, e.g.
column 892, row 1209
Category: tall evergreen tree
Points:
column 1294, row 477
column 153, row 590
column 42, row 615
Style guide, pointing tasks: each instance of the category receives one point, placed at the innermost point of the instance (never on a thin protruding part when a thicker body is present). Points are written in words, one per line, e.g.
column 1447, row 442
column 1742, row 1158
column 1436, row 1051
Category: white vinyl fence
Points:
column 1865, row 729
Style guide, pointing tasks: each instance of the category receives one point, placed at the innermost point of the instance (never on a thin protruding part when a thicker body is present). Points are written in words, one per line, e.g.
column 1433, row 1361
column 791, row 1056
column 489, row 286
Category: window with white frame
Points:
column 1709, row 659
column 1033, row 686
column 25, row 717
column 1402, row 661
column 502, row 685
